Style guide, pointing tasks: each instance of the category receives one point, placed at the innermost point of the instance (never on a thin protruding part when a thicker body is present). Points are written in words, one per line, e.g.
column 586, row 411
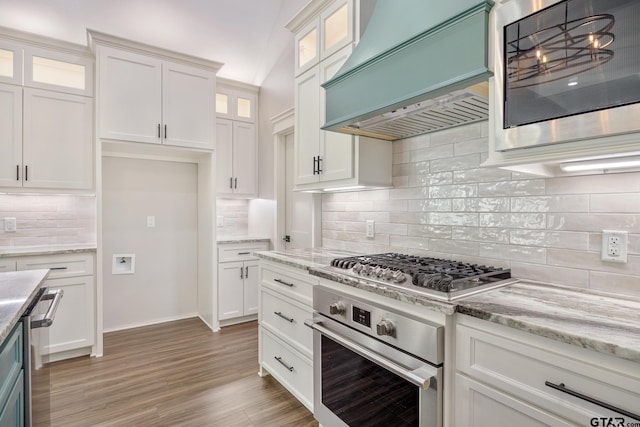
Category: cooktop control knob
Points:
column 337, row 308
column 385, row 327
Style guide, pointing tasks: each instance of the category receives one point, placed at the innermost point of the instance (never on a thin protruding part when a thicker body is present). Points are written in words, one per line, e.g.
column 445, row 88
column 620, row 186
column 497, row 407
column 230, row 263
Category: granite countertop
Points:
column 304, row 258
column 225, row 239
column 605, row 323
column 7, row 252
column 592, row 320
column 17, row 289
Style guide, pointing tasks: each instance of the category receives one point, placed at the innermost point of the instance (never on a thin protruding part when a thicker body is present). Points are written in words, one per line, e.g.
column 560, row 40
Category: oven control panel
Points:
column 383, row 323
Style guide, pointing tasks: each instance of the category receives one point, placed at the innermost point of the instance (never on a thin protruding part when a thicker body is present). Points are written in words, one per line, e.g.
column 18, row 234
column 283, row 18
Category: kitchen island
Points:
column 17, row 289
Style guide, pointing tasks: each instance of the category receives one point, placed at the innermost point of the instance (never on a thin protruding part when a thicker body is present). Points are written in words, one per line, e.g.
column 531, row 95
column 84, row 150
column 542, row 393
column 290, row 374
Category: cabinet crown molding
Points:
column 95, row 38
column 31, row 39
column 307, row 14
column 234, row 84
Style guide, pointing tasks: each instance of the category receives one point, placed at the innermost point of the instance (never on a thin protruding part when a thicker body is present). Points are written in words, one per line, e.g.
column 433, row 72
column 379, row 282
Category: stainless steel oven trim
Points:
column 46, row 320
column 423, row 377
column 430, row 397
column 586, row 126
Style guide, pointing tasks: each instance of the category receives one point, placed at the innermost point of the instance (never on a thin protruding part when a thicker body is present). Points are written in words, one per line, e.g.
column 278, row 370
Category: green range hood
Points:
column 420, row 66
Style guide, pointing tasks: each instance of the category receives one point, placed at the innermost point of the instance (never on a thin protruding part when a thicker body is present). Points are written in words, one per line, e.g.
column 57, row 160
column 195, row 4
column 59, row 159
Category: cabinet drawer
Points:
column 286, row 317
column 521, row 369
column 287, row 366
column 296, row 286
column 10, row 361
column 244, row 252
column 70, row 265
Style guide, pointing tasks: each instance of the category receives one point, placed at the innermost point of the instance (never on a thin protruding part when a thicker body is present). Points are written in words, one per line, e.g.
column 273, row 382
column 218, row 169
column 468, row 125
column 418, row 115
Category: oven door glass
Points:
column 362, row 393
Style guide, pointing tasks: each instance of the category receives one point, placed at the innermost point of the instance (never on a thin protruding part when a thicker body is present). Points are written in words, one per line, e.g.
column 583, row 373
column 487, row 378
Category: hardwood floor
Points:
column 173, row 374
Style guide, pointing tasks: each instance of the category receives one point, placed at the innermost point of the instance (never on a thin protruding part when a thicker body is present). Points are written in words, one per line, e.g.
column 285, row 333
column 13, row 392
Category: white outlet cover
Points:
column 10, row 225
column 614, row 246
column 371, row 228
column 151, row 221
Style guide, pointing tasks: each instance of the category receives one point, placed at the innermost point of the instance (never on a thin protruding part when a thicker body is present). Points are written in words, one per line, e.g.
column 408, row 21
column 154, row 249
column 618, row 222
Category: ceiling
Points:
column 248, row 36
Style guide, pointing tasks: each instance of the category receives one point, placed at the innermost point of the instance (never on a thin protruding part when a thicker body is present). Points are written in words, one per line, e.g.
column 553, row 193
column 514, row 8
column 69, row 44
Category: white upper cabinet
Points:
column 10, row 63
column 324, row 34
column 129, row 96
column 46, row 114
column 152, row 99
column 46, row 69
column 236, row 139
column 10, row 135
column 58, row 130
column 236, row 104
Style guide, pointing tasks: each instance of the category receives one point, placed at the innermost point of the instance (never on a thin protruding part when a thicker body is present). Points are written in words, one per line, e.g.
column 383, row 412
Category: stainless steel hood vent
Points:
column 421, row 65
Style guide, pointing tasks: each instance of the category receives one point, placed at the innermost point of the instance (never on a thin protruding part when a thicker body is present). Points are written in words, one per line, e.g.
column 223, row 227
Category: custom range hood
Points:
column 420, row 66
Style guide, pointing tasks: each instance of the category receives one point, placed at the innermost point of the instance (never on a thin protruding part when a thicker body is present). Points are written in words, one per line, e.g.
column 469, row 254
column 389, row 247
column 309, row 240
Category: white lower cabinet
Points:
column 7, row 265
column 238, row 282
column 73, row 332
column 505, row 377
column 286, row 344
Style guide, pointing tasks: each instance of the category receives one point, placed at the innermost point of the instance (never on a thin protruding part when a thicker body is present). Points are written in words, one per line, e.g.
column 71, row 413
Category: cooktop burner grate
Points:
column 423, row 272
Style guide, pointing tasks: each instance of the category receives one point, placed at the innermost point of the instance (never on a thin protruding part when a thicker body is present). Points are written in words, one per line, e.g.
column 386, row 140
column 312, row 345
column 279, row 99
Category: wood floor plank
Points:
column 173, row 374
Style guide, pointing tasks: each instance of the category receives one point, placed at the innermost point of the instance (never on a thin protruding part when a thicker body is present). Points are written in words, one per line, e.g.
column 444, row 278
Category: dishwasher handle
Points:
column 46, row 320
column 423, row 380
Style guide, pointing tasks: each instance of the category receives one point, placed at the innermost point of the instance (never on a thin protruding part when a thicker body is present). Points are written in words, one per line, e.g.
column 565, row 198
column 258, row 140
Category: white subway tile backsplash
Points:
column 553, row 275
column 455, row 163
column 573, row 203
column 444, row 204
column 615, row 203
column 471, row 147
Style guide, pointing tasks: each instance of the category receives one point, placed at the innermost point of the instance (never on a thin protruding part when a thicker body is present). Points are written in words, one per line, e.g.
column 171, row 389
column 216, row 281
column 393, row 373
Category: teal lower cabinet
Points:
column 12, row 380
column 12, row 414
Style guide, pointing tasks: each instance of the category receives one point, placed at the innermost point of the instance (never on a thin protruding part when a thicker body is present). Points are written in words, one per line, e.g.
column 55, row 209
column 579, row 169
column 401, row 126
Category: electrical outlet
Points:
column 10, row 225
column 614, row 246
column 219, row 221
column 371, row 229
column 151, row 221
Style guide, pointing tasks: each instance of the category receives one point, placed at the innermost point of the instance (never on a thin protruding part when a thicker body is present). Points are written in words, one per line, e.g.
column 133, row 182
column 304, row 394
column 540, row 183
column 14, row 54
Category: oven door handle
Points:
column 424, row 380
column 46, row 320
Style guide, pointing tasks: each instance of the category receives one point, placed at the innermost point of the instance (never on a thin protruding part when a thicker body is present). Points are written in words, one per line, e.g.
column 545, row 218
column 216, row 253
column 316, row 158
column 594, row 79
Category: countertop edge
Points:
column 34, row 251
column 36, row 283
column 229, row 240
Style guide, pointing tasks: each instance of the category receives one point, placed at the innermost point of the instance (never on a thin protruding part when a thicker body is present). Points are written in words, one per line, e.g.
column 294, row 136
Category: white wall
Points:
column 443, row 204
column 164, row 285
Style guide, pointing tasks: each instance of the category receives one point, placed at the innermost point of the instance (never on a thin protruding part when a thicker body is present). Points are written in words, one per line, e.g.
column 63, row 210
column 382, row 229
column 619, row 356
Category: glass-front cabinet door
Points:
column 10, row 63
column 336, row 27
column 307, row 47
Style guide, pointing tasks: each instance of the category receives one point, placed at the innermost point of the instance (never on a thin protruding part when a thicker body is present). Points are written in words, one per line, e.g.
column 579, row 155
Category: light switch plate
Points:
column 10, row 225
column 151, row 221
column 219, row 221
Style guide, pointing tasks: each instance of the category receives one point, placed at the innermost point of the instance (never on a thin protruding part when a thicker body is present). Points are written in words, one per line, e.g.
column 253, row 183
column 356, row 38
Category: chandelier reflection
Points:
column 559, row 51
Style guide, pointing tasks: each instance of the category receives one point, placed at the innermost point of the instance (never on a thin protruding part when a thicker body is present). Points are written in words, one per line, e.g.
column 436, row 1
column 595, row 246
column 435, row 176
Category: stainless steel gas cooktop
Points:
column 437, row 278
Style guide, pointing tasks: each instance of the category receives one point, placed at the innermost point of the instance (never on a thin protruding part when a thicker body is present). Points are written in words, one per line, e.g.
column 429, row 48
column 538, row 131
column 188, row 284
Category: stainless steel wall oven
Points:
column 374, row 365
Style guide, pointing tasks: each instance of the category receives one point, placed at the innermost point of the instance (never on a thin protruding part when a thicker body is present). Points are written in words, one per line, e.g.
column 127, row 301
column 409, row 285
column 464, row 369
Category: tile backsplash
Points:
column 45, row 220
column 443, row 204
column 235, row 214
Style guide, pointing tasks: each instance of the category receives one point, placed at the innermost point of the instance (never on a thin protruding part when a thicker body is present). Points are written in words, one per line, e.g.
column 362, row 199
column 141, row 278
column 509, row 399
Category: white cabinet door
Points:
column 245, row 164
column 188, row 106
column 224, row 156
column 58, row 140
column 307, row 104
column 251, row 287
column 230, row 290
column 336, row 149
column 74, row 325
column 478, row 405
column 10, row 135
column 10, row 63
column 129, row 93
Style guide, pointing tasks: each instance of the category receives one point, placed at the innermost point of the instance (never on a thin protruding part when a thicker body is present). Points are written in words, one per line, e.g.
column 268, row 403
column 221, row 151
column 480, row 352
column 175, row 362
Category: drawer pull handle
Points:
column 244, row 253
column 561, row 387
column 279, row 314
column 279, row 359
column 58, row 268
column 283, row 283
